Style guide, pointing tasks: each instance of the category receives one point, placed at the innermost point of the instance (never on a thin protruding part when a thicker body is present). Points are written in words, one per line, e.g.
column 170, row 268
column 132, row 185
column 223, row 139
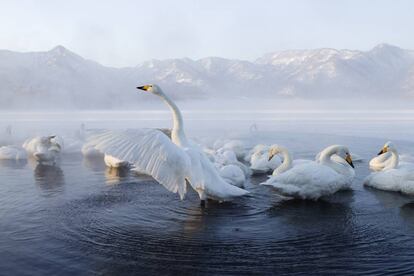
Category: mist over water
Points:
column 80, row 217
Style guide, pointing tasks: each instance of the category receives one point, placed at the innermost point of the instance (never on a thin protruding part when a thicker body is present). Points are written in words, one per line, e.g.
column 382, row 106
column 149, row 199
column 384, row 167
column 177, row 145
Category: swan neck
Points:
column 177, row 132
column 286, row 164
column 327, row 154
column 394, row 159
column 327, row 161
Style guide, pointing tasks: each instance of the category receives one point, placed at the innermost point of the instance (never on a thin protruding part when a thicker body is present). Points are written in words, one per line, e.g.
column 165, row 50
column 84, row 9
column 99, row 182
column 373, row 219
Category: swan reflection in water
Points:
column 49, row 178
column 115, row 175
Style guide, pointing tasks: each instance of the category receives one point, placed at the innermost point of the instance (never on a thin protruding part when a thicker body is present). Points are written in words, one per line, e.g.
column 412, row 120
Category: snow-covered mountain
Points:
column 60, row 78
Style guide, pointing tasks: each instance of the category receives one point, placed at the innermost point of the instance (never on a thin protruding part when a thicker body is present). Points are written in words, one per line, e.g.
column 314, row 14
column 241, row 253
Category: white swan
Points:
column 381, row 161
column 230, row 169
column 237, row 146
column 44, row 149
column 228, row 157
column 233, row 175
column 391, row 175
column 259, row 161
column 171, row 162
column 378, row 163
column 311, row 180
column 12, row 153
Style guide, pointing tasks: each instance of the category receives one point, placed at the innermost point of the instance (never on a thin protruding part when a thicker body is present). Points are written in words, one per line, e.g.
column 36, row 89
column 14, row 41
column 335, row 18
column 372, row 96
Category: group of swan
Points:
column 176, row 162
column 214, row 174
column 309, row 179
column 44, row 149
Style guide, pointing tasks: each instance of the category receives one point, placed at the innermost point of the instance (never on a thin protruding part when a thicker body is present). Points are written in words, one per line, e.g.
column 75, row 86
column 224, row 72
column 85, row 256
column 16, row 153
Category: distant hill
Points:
column 60, row 78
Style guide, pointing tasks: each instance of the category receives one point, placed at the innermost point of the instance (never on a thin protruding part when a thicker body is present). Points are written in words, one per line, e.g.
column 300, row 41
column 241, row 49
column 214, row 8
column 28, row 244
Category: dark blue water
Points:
column 81, row 218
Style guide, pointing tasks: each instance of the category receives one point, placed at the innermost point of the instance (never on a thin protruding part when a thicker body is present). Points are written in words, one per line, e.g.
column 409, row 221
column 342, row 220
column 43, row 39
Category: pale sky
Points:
column 126, row 32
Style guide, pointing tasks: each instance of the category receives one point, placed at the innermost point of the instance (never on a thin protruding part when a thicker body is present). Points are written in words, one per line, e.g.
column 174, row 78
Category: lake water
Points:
column 82, row 218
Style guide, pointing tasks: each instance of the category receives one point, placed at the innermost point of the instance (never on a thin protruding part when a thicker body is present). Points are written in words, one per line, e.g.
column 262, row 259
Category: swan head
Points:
column 343, row 152
column 152, row 88
column 274, row 150
column 389, row 146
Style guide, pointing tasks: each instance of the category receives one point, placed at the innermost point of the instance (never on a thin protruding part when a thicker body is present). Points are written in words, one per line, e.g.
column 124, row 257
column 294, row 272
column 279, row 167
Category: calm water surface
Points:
column 81, row 218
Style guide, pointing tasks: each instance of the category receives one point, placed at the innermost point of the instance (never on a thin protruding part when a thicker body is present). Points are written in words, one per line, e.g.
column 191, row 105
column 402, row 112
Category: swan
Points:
column 229, row 157
column 311, row 179
column 230, row 169
column 12, row 153
column 237, row 146
column 233, row 175
column 384, row 160
column 44, row 149
column 391, row 174
column 259, row 161
column 173, row 162
column 378, row 163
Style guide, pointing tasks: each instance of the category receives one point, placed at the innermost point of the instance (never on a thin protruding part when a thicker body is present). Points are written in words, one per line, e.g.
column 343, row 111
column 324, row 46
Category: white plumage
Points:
column 171, row 162
column 113, row 162
column 311, row 180
column 391, row 174
column 12, row 153
column 378, row 163
column 45, row 150
column 259, row 161
column 233, row 175
column 236, row 146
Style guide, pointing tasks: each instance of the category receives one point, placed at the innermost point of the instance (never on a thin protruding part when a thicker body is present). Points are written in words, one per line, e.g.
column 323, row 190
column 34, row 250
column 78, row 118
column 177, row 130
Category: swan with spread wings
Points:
column 172, row 162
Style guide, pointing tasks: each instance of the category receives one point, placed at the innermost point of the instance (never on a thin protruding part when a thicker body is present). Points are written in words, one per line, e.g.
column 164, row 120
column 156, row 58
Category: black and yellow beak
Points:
column 144, row 87
column 348, row 159
column 383, row 150
column 270, row 156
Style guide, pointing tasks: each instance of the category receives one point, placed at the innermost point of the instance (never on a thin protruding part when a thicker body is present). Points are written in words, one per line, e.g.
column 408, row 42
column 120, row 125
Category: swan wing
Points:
column 151, row 151
column 205, row 177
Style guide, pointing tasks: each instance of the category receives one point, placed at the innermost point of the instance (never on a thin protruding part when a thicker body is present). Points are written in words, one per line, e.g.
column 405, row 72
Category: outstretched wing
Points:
column 150, row 151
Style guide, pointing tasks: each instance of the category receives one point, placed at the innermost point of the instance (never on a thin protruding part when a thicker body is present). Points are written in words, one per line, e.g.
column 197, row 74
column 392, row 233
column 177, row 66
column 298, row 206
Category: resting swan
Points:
column 311, row 179
column 45, row 150
column 391, row 175
column 259, row 161
column 173, row 162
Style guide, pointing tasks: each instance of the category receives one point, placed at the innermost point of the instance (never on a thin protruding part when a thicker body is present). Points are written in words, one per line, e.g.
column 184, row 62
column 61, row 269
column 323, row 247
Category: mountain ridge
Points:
column 60, row 78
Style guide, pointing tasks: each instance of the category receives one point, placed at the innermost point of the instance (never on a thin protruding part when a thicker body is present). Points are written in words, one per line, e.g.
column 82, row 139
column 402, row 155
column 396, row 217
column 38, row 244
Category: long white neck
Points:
column 286, row 164
column 177, row 134
column 326, row 160
column 394, row 160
